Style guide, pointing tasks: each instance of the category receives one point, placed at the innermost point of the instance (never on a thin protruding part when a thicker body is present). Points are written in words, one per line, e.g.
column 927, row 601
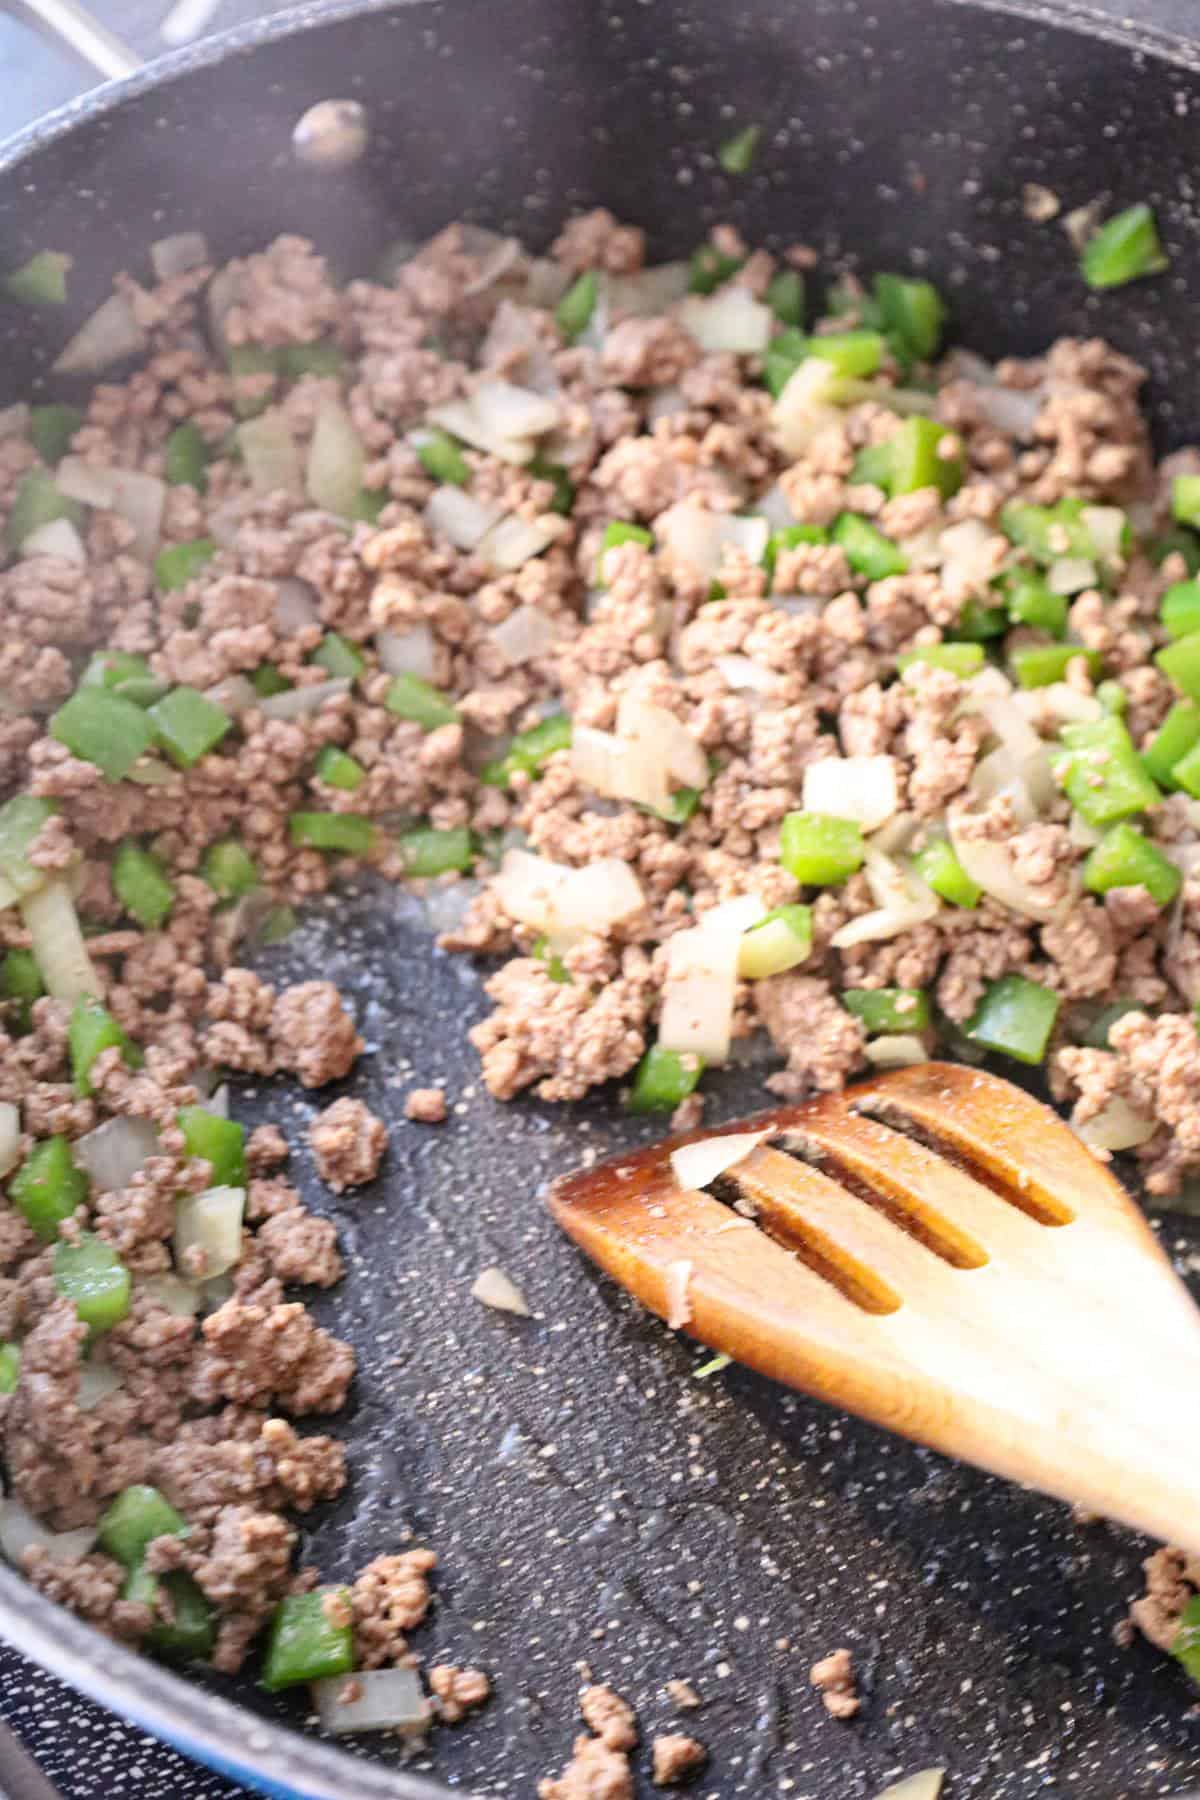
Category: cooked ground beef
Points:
column 833, row 1677
column 676, row 1758
column 348, row 1143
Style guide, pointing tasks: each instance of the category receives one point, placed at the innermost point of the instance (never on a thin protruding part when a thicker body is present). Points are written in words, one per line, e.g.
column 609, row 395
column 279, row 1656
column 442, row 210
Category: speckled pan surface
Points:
column 592, row 1502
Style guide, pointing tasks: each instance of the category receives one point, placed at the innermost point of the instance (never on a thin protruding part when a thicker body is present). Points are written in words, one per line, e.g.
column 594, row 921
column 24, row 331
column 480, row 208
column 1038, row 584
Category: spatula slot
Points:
column 852, row 1279
column 963, row 1152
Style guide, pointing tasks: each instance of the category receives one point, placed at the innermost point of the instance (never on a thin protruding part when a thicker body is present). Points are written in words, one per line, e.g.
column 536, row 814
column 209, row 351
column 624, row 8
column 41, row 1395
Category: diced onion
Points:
column 988, row 862
column 302, row 702
column 219, row 301
column 655, row 733
column 998, row 773
column 895, row 1050
column 738, row 914
column 698, row 993
column 176, row 254
column 513, row 541
column 731, row 319
column 617, row 769
column 492, row 1287
column 1060, row 700
column 771, row 949
column 1117, row 1126
column 234, row 694
column 333, row 478
column 270, row 455
column 700, row 537
column 926, row 1785
column 565, row 902
column 56, row 538
column 679, row 1305
column 138, row 498
column 1105, row 525
column 509, row 411
column 1085, row 836
column 59, row 947
column 385, row 1700
column 217, row 1103
column 897, row 834
column 745, row 676
column 459, row 517
column 1014, row 731
column 1013, row 411
column 775, row 508
column 14, row 420
column 861, row 788
column 546, row 282
column 411, row 652
column 698, row 1164
column 180, row 1298
column 495, row 262
column 969, row 557
column 208, row 1231
column 83, row 481
column 649, row 291
column 295, row 605
column 806, row 406
column 1070, row 575
column 19, row 1531
column 110, row 334
column 902, row 901
column 97, row 1380
column 10, row 1136
column 464, row 419
column 526, row 634
column 513, row 333
column 113, row 1153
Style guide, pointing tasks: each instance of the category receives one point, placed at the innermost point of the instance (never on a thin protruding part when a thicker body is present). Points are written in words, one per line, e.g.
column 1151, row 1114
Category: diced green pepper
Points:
column 556, row 968
column 189, row 725
column 142, row 885
column 266, row 680
column 92, row 1276
column 1112, row 697
column 867, row 550
column 778, row 942
column 21, row 820
column 1048, row 532
column 529, row 751
column 221, row 1142
column 306, row 1643
column 1180, row 663
column 1178, row 733
column 785, row 352
column 1015, row 1017
column 350, row 833
column 737, row 153
column 369, row 505
column 51, row 429
column 1185, row 499
column 620, row 531
column 679, row 808
column 709, row 269
column 873, row 465
column 912, row 312
column 1125, row 857
column 785, row 297
column 10, row 1367
column 1185, row 1645
column 230, row 869
column 91, row 1030
column 1096, row 1037
column 1177, row 542
column 295, row 360
column 48, row 1187
column 915, row 455
column 440, row 456
column 787, row 539
column 21, row 984
column 428, row 852
column 1125, row 247
column 133, row 1520
column 1030, row 602
column 819, row 849
column 1037, row 665
column 279, row 923
column 338, row 769
column 42, row 281
column 38, row 502
column 339, row 657
column 963, row 660
column 888, row 1009
column 1180, row 609
column 1186, row 773
column 577, row 305
column 978, row 624
column 100, row 727
column 246, row 360
column 940, row 869
column 185, row 458
column 853, row 354
column 663, row 1078
column 1103, row 777
column 178, row 564
column 185, row 1624
column 411, row 698
column 564, row 491
column 129, row 677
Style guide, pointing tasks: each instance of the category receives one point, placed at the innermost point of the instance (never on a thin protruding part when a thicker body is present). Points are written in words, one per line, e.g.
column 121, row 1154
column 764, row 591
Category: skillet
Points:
column 592, row 1502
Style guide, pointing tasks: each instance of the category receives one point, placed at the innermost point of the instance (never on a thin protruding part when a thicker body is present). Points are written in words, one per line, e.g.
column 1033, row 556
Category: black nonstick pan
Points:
column 593, row 1503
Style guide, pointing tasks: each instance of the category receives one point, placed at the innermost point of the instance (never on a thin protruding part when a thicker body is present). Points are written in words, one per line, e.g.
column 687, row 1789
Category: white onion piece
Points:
column 771, row 949
column 492, row 1287
column 731, row 319
column 208, row 1231
column 97, row 1380
column 745, row 676
column 926, row 1785
column 700, row 537
column 895, row 1050
column 113, row 1153
column 649, row 291
column 738, row 914
column 461, row 419
column 333, row 478
column 618, row 769
column 566, row 902
column 513, row 333
column 14, row 420
column 459, row 517
column 10, row 1136
column 139, row 499
column 1105, row 525
column 699, row 991
column 234, row 694
column 513, row 541
column 1012, row 728
column 82, row 481
column 861, row 788
column 270, row 456
column 507, row 410
column 923, row 549
column 176, row 254
column 59, row 946
column 902, row 901
column 679, row 1305
column 494, row 265
column 217, row 1103
column 806, row 406
column 180, row 1298
column 969, row 557
column 19, row 1531
column 773, row 506
column 989, row 864
column 225, row 520
column 110, row 334
column 1084, row 836
column 1013, row 411
column 656, row 733
column 220, row 299
column 302, row 702
column 546, row 282
column 897, row 834
column 385, row 1700
column 412, row 652
column 526, row 634
column 295, row 605
column 696, row 1165
column 56, row 538
column 1117, row 1126
column 446, row 907
column 1071, row 575
column 1062, row 702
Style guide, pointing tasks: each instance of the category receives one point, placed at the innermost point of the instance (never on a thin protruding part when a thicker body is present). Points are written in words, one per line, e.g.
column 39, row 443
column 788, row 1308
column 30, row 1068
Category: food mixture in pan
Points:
column 719, row 662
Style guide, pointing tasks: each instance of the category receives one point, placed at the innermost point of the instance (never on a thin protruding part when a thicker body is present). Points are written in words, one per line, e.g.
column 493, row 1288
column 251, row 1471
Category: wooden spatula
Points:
column 936, row 1251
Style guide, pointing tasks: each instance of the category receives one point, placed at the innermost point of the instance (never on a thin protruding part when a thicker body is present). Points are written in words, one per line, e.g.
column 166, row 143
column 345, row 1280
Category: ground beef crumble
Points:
column 834, row 1679
column 348, row 1144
